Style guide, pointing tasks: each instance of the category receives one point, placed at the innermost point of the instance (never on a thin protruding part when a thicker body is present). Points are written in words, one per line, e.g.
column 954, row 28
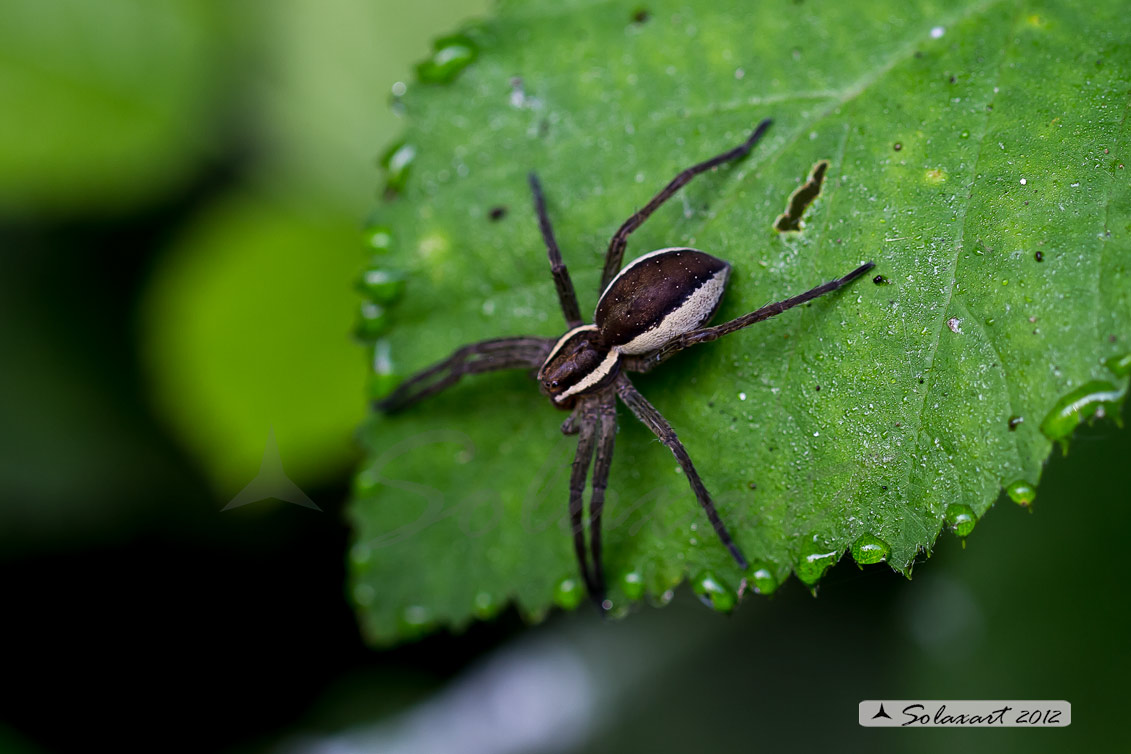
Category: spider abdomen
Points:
column 658, row 296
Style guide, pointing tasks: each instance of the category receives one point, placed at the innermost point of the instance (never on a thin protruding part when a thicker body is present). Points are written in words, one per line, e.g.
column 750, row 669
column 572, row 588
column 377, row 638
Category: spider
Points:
column 647, row 312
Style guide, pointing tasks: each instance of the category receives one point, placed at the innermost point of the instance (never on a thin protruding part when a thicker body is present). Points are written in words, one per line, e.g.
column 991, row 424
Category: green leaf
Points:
column 975, row 153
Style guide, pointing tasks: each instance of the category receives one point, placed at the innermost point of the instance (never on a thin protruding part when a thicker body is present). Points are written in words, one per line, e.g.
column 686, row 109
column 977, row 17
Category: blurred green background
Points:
column 182, row 190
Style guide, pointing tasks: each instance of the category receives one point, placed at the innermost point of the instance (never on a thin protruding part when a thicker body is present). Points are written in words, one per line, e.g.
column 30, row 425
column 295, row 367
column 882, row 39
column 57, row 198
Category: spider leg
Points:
column 581, row 462
column 567, row 297
column 607, row 416
column 707, row 334
column 570, row 426
column 615, row 254
column 652, row 419
column 485, row 356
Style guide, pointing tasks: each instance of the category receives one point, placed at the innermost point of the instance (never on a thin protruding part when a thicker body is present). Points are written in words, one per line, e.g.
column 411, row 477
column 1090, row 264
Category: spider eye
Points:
column 554, row 383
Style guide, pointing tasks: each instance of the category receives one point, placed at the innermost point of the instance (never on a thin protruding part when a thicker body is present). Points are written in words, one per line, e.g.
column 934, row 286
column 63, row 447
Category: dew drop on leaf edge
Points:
column 632, row 584
column 485, row 605
column 381, row 286
column 961, row 519
column 869, row 549
column 714, row 593
column 814, row 561
column 761, row 578
column 373, row 321
column 568, row 592
column 1088, row 400
column 1021, row 492
column 383, row 378
column 397, row 162
column 450, row 56
column 414, row 621
column 377, row 239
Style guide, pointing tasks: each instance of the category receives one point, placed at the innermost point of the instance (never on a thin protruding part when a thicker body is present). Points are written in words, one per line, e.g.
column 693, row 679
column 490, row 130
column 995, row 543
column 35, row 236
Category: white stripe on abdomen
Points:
column 692, row 313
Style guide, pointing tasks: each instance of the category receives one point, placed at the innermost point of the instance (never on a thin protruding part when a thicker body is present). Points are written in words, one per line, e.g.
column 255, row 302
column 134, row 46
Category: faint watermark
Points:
column 271, row 483
column 951, row 713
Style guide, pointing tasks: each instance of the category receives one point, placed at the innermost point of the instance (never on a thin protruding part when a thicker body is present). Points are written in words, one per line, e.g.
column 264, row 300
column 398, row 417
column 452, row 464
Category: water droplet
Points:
column 937, row 32
column 381, row 286
column 372, row 322
column 714, row 593
column 383, row 378
column 934, row 175
column 414, row 621
column 365, row 483
column 363, row 594
column 360, row 553
column 1024, row 181
column 870, row 549
column 377, row 239
column 1084, row 402
column 761, row 577
column 815, row 560
column 964, row 135
column 632, row 584
column 485, row 606
column 961, row 519
column 449, row 57
column 433, row 245
column 568, row 593
column 1120, row 366
column 1021, row 492
column 397, row 160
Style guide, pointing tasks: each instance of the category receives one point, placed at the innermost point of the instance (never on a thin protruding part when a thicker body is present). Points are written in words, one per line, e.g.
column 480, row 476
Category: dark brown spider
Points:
column 647, row 312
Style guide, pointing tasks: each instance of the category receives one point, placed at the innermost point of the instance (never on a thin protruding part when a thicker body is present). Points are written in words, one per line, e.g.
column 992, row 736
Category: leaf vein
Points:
column 960, row 238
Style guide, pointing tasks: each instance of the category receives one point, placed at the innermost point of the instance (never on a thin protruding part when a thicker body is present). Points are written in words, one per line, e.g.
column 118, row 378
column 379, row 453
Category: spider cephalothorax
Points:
column 655, row 307
column 658, row 296
column 578, row 363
